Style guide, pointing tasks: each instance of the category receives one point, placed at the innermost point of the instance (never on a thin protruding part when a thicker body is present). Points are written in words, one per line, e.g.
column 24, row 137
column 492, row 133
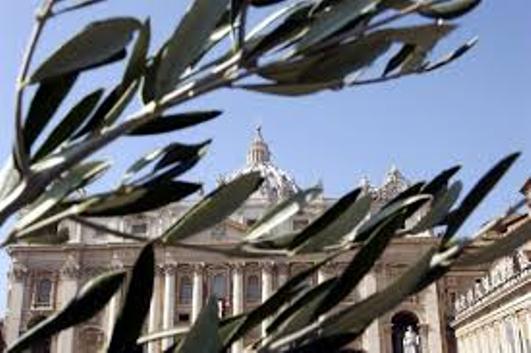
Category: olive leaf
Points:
column 449, row 9
column 88, row 302
column 137, row 62
column 137, row 199
column 334, row 224
column 214, row 207
column 187, row 42
column 75, row 179
column 335, row 19
column 360, row 264
column 45, row 103
column 98, row 42
column 169, row 123
column 165, row 156
column 282, row 212
column 135, row 308
column 474, row 197
column 203, row 336
column 70, row 123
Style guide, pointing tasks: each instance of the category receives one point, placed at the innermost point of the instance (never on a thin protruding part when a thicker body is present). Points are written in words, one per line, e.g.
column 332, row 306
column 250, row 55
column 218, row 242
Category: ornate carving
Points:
column 18, row 271
column 71, row 268
column 116, row 262
column 170, row 268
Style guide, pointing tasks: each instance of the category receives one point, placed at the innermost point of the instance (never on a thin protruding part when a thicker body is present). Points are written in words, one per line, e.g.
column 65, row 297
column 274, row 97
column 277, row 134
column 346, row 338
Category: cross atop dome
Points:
column 278, row 184
column 259, row 150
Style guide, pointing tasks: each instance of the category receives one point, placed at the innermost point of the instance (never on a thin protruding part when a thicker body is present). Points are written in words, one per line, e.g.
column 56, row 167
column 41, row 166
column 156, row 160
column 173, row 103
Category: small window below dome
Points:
column 300, row 223
column 139, row 228
column 250, row 222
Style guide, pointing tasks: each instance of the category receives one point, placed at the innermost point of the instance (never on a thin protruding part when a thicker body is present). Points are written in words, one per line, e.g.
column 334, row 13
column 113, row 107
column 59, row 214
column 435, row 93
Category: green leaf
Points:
column 203, row 336
column 121, row 104
column 92, row 298
column 187, row 42
column 438, row 210
column 330, row 228
column 356, row 317
column 456, row 54
column 477, row 194
column 282, row 212
column 79, row 5
column 449, row 9
column 255, row 317
column 9, row 178
column 166, row 156
column 263, row 3
column 135, row 308
column 110, row 109
column 300, row 313
column 75, row 179
column 52, row 217
column 360, row 264
column 70, row 123
column 60, row 236
column 504, row 246
column 169, row 123
column 335, row 19
column 423, row 38
column 440, row 181
column 98, row 42
column 399, row 58
column 44, row 105
column 138, row 199
column 214, row 208
column 292, row 90
column 408, row 205
column 137, row 62
column 294, row 25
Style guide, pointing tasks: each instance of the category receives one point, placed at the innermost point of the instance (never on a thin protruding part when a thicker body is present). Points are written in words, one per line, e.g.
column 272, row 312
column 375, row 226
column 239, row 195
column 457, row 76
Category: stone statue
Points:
column 411, row 341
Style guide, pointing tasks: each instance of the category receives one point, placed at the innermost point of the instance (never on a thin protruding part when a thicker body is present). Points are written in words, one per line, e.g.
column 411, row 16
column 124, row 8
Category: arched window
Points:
column 218, row 286
column 252, row 290
column 43, row 292
column 185, row 290
column 405, row 332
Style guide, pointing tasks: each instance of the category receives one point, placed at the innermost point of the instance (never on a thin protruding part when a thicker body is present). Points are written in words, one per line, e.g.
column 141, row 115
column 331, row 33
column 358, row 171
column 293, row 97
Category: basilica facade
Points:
column 43, row 278
column 493, row 315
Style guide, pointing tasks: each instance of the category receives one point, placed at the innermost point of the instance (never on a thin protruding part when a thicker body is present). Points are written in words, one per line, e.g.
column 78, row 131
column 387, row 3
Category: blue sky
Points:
column 472, row 112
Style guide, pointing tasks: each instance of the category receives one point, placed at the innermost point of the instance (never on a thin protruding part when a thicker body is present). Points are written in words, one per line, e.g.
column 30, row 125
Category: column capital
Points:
column 18, row 271
column 267, row 266
column 237, row 266
column 169, row 268
column 198, row 266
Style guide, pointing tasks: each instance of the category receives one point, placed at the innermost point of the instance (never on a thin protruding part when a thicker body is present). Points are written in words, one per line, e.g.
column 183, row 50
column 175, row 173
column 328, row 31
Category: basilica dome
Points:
column 278, row 184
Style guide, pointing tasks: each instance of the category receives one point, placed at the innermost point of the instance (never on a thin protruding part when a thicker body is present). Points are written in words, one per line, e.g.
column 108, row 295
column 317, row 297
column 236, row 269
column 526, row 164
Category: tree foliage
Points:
column 295, row 48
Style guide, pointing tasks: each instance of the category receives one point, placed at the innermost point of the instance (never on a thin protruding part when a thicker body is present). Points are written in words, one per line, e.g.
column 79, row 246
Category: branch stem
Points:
column 21, row 155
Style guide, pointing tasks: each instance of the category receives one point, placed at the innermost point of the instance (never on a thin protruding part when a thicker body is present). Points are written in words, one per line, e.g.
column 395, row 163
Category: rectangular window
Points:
column 183, row 318
column 139, row 228
column 300, row 223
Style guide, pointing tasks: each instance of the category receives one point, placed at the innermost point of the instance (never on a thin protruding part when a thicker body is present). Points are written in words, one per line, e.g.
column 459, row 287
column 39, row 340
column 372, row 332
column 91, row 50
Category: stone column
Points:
column 371, row 337
column 528, row 327
column 431, row 299
column 267, row 289
column 283, row 274
column 68, row 286
column 169, row 302
column 237, row 299
column 155, row 309
column 17, row 279
column 197, row 297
